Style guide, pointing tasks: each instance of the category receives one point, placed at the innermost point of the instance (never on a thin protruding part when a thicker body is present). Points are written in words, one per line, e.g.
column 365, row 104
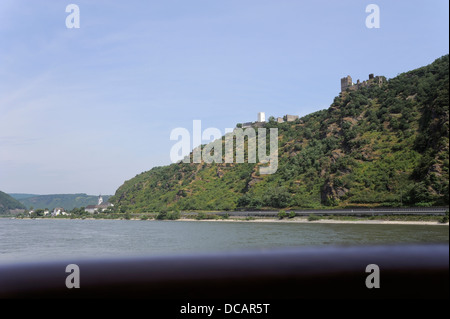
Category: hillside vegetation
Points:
column 20, row 196
column 7, row 203
column 67, row 201
column 379, row 146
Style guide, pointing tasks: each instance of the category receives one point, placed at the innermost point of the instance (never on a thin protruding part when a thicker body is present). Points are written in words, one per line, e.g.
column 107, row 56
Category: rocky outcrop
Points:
column 332, row 193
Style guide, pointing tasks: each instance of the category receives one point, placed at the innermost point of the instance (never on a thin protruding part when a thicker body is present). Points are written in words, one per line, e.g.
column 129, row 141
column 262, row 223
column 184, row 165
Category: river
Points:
column 49, row 239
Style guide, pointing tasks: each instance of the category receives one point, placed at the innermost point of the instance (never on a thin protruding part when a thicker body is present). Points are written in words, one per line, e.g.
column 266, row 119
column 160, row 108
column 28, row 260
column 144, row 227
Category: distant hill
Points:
column 20, row 196
column 67, row 201
column 7, row 203
column 380, row 145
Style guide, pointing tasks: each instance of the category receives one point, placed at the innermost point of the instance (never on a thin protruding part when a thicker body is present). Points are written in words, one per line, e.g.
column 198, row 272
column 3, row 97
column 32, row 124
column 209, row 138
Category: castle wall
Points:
column 346, row 83
column 291, row 118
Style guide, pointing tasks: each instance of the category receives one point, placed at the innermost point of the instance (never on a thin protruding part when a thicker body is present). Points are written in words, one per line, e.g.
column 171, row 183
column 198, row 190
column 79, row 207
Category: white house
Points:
column 58, row 211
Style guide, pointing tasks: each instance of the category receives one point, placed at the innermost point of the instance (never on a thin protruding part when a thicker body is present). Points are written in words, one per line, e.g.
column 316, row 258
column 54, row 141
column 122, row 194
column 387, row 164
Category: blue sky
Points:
column 83, row 110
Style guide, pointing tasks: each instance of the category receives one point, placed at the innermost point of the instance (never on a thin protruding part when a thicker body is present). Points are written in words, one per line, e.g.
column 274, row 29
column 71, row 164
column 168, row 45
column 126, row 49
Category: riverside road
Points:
column 436, row 211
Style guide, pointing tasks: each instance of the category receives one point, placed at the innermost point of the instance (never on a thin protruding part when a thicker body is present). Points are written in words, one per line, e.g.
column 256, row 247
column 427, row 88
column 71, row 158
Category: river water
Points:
column 49, row 239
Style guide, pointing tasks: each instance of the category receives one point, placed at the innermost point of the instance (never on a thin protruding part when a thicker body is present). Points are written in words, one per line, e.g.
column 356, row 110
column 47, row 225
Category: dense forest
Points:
column 382, row 145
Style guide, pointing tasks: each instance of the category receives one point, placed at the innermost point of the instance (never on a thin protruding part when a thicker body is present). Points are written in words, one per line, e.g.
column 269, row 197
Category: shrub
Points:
column 201, row 216
column 281, row 214
column 174, row 215
column 313, row 217
column 292, row 214
column 445, row 219
column 161, row 215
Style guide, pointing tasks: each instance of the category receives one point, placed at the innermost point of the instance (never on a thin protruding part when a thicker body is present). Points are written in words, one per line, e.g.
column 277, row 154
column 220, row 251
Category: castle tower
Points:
column 261, row 117
column 346, row 83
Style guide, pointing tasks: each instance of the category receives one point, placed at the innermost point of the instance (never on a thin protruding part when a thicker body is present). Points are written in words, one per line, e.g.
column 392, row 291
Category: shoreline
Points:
column 296, row 220
column 321, row 221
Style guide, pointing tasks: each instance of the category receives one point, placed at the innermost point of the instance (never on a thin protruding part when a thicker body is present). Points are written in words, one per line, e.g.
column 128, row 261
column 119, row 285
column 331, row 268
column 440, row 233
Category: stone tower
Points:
column 346, row 83
column 261, row 117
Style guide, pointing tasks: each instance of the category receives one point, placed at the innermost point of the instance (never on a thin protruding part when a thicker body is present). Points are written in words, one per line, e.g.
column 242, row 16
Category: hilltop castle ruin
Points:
column 347, row 83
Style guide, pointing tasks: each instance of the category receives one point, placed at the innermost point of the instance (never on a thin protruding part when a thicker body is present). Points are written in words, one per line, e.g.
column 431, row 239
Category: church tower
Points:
column 100, row 199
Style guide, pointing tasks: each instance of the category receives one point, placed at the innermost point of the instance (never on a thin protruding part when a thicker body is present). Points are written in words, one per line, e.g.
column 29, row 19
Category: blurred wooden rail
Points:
column 332, row 272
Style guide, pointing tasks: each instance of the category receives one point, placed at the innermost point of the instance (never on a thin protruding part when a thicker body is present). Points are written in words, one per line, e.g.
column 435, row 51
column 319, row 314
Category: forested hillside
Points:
column 381, row 145
column 67, row 201
column 7, row 203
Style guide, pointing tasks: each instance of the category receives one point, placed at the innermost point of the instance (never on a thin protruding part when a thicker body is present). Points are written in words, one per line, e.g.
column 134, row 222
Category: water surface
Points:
column 47, row 239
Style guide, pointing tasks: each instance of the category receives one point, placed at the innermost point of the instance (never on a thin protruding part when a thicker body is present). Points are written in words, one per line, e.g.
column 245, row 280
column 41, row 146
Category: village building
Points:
column 100, row 207
column 58, row 211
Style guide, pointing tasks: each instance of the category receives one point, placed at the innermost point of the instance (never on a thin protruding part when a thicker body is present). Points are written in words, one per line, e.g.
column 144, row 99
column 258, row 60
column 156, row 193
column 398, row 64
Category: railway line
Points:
column 430, row 211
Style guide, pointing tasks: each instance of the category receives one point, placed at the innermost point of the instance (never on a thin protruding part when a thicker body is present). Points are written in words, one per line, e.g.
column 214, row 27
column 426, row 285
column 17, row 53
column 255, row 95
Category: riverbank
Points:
column 302, row 220
column 320, row 221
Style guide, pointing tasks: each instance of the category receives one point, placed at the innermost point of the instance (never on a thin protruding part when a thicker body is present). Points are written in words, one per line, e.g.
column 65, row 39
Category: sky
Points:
column 84, row 109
